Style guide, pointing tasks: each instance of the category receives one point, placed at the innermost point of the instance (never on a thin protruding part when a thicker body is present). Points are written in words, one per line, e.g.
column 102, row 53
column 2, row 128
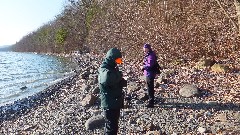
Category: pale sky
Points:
column 20, row 17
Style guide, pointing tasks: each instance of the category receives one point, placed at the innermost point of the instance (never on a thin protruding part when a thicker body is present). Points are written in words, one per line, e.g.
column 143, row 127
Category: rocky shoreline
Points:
column 65, row 107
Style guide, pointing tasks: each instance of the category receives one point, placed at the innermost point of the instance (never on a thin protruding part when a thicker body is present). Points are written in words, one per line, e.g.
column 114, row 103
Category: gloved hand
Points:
column 123, row 82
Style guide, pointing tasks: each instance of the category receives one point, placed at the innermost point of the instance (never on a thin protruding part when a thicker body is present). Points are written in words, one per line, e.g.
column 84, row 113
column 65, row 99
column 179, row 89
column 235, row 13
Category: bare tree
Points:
column 237, row 5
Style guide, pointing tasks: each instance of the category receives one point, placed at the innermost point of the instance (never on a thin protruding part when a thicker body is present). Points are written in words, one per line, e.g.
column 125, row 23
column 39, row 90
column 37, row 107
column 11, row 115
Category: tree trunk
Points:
column 237, row 5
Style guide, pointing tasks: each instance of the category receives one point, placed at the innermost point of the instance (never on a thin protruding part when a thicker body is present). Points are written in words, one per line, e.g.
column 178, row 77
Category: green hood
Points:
column 111, row 55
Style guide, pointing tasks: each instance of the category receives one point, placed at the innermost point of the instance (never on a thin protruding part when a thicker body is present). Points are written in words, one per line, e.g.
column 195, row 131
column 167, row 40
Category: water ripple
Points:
column 35, row 72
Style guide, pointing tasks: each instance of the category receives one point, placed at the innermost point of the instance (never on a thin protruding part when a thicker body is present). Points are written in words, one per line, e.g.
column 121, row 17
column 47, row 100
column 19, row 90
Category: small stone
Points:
column 202, row 130
column 221, row 117
column 89, row 100
column 150, row 127
column 212, row 102
column 95, row 90
column 138, row 121
column 207, row 114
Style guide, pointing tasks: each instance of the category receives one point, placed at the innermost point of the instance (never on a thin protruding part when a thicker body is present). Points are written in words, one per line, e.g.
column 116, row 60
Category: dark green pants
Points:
column 112, row 117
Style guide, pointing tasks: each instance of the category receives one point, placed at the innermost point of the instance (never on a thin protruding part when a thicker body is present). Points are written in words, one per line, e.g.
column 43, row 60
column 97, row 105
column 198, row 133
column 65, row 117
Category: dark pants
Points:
column 111, row 125
column 150, row 88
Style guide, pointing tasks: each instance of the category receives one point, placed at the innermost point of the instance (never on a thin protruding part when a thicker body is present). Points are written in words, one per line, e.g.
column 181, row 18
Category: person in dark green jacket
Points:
column 111, row 85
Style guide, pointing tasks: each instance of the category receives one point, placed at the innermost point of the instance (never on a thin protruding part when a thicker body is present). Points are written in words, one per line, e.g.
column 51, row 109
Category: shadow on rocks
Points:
column 203, row 106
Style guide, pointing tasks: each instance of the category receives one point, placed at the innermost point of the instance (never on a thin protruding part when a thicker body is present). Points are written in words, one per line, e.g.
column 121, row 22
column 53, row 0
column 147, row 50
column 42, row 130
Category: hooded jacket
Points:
column 109, row 80
column 148, row 63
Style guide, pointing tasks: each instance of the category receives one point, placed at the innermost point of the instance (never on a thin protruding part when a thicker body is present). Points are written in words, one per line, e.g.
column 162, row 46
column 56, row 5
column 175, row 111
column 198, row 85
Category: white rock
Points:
column 202, row 130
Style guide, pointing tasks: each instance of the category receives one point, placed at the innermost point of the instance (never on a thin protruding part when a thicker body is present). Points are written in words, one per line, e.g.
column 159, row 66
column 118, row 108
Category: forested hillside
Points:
column 177, row 29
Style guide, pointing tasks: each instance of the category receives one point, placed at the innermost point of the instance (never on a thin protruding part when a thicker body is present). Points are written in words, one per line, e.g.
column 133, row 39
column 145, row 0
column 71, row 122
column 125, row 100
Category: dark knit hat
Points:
column 147, row 46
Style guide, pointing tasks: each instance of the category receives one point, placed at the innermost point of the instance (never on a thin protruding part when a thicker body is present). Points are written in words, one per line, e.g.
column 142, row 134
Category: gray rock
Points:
column 85, row 74
column 133, row 86
column 156, row 85
column 89, row 100
column 85, row 87
column 23, row 88
column 143, row 96
column 189, row 90
column 95, row 122
column 142, row 78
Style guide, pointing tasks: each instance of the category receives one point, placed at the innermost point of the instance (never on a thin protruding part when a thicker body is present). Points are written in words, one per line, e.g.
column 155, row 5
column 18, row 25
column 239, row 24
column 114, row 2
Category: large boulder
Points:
column 95, row 122
column 219, row 68
column 189, row 90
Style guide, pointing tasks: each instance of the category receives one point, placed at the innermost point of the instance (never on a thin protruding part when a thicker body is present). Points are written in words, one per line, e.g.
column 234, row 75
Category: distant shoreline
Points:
column 6, row 48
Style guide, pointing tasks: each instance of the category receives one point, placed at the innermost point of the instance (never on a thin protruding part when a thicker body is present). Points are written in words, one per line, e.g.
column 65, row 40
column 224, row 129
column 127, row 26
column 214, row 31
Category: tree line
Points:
column 177, row 29
column 66, row 33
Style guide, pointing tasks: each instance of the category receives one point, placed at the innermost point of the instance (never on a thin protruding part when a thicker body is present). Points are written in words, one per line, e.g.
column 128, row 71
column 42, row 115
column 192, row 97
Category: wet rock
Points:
column 23, row 88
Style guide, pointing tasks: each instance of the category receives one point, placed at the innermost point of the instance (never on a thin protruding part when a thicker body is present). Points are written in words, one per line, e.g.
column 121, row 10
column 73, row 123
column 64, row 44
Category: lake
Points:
column 24, row 74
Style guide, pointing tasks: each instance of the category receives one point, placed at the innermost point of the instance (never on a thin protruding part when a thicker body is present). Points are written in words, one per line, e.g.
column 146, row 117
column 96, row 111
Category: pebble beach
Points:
column 188, row 102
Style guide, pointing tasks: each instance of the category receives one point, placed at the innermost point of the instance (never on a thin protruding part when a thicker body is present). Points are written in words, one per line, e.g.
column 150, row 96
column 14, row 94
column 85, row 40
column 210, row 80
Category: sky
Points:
column 20, row 17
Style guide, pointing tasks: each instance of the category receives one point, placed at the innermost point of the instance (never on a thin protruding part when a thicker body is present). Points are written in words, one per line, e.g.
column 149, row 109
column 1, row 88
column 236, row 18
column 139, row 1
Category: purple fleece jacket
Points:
column 149, row 61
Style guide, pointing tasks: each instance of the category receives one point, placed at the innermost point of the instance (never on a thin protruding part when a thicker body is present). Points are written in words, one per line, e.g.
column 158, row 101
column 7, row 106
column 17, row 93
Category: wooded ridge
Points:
column 176, row 29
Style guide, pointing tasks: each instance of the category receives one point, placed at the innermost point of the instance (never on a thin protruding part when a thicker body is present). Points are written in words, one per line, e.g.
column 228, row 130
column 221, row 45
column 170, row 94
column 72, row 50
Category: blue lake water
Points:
column 29, row 71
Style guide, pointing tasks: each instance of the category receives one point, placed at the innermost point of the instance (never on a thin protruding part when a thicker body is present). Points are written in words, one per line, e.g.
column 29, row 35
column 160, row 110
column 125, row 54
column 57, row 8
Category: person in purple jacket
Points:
column 150, row 59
